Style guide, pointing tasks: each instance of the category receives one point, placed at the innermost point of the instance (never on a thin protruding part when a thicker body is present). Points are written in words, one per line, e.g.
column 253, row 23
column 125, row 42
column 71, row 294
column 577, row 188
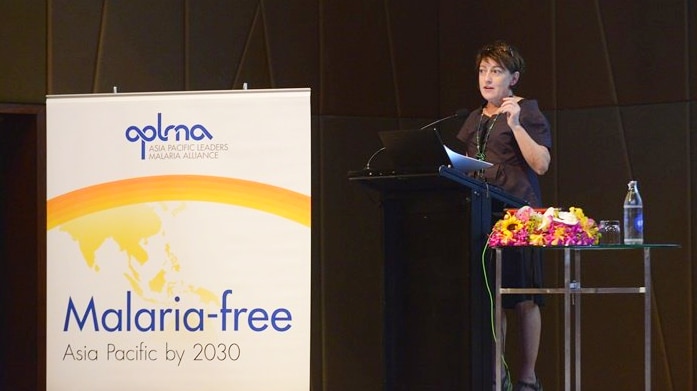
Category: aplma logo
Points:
column 170, row 132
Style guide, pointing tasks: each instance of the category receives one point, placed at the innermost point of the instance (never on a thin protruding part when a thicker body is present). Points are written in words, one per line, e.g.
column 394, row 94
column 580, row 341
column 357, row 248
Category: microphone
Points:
column 370, row 160
column 458, row 114
column 367, row 170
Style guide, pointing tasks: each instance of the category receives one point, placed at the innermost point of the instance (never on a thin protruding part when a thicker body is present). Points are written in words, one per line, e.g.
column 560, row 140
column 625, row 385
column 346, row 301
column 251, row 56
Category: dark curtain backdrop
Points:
column 615, row 78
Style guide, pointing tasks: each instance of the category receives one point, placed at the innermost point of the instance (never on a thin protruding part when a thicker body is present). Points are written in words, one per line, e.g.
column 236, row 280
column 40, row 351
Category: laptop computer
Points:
column 418, row 151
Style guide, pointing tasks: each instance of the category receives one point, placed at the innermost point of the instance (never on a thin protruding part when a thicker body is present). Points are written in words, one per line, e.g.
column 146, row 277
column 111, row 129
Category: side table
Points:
column 572, row 289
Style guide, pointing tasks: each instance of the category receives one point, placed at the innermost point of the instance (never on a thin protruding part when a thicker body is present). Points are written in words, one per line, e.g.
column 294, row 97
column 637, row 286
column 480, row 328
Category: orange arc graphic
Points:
column 279, row 201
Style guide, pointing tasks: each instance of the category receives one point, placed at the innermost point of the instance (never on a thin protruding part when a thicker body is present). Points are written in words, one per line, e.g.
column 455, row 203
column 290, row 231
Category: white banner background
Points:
column 140, row 246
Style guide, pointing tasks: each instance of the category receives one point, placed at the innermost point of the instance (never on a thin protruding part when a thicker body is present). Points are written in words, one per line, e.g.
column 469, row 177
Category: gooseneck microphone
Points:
column 367, row 167
column 367, row 170
column 458, row 114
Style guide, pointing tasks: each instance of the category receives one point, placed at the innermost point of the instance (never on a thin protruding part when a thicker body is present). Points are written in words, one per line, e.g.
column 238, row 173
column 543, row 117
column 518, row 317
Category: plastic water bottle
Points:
column 633, row 215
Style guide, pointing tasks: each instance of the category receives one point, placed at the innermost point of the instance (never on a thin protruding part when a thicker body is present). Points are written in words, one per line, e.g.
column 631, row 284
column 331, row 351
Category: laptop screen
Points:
column 422, row 151
column 414, row 150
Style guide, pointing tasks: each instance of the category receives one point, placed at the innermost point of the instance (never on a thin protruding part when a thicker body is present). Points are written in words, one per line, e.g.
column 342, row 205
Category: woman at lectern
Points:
column 512, row 133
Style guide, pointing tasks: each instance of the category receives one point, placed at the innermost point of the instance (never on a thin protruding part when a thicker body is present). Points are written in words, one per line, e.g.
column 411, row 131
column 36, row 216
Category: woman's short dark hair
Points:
column 504, row 54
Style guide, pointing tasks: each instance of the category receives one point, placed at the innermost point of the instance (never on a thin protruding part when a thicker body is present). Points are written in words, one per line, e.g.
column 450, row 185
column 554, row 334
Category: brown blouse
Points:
column 496, row 141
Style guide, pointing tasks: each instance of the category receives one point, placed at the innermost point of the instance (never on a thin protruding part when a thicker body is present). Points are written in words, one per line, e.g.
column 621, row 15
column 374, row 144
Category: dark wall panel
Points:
column 357, row 71
column 120, row 44
column 217, row 35
column 622, row 52
column 455, row 58
column 646, row 47
column 412, row 30
column 141, row 48
column 23, row 51
column 75, row 37
column 691, row 47
column 293, row 52
column 584, row 74
column 351, row 257
column 691, row 246
column 590, row 142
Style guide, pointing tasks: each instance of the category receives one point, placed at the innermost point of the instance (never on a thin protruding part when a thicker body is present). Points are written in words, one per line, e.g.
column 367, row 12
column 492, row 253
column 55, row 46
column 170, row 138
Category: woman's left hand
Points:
column 512, row 110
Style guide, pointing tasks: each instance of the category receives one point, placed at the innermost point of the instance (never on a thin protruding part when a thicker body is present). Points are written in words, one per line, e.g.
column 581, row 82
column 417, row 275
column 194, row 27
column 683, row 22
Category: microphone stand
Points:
column 458, row 114
column 436, row 122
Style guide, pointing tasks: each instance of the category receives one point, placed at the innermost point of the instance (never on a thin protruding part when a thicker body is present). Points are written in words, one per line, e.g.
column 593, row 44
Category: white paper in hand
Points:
column 465, row 163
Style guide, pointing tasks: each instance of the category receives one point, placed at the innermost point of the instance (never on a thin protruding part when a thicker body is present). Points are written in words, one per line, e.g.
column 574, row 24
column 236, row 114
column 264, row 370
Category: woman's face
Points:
column 495, row 81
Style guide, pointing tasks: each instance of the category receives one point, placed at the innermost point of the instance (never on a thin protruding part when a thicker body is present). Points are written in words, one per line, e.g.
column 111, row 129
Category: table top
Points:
column 603, row 246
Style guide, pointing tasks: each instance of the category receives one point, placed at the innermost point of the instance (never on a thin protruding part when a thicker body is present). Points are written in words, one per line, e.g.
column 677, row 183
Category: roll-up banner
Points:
column 178, row 241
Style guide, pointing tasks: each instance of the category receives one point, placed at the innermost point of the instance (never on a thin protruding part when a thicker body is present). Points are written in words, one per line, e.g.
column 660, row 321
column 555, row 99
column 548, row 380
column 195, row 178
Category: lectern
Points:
column 437, row 319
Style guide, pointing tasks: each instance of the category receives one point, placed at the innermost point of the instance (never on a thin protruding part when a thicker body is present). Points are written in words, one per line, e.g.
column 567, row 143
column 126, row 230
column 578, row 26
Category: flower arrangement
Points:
column 553, row 227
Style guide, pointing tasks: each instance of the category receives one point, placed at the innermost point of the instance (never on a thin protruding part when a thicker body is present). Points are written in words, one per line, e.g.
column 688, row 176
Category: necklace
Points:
column 481, row 144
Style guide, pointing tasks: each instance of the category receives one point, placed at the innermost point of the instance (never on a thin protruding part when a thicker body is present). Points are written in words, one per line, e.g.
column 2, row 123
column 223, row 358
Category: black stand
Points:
column 437, row 319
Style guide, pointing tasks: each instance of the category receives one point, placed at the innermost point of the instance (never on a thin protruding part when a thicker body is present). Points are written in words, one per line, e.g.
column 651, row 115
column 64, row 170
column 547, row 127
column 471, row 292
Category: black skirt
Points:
column 521, row 268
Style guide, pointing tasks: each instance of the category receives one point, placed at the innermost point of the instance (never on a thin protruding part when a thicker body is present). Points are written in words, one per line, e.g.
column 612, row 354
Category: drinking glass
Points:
column 609, row 231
